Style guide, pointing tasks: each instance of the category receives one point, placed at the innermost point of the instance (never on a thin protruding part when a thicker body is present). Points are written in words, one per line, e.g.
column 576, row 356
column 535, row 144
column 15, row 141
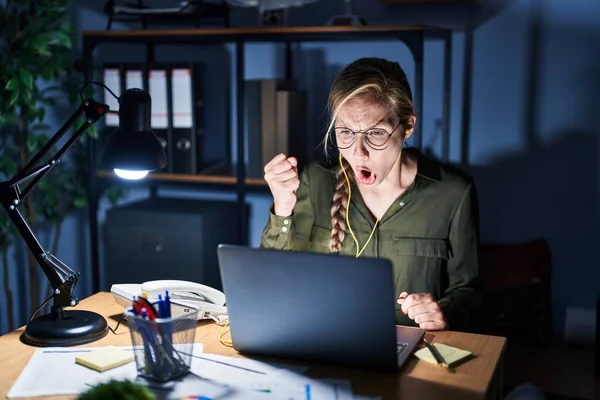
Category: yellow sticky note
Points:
column 449, row 354
column 105, row 358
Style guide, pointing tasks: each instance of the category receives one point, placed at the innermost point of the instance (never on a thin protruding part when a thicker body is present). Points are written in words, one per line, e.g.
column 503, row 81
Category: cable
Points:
column 99, row 84
column 358, row 253
column 40, row 307
column 223, row 333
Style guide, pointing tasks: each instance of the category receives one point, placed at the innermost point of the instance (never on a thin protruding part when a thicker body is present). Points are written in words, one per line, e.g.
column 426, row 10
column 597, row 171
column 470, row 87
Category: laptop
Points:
column 323, row 308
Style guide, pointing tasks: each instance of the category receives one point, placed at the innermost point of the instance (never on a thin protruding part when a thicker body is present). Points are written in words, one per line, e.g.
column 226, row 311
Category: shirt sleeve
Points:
column 293, row 232
column 461, row 302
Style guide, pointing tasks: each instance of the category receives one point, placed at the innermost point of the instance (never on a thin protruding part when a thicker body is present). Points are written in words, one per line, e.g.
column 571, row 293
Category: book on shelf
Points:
column 275, row 122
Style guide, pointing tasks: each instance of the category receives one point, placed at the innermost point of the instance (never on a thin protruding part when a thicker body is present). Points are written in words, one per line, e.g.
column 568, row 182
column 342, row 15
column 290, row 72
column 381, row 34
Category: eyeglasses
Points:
column 376, row 138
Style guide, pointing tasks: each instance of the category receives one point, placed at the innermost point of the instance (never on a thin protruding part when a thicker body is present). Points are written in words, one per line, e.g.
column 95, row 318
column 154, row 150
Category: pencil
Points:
column 438, row 357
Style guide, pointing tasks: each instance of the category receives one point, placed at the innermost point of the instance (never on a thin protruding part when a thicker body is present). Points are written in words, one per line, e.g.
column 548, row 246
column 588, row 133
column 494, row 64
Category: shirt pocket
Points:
column 420, row 247
column 420, row 263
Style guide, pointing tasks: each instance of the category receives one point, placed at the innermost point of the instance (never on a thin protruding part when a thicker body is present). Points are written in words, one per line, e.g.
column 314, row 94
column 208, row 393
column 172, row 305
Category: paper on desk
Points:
column 277, row 380
column 284, row 384
column 194, row 387
column 233, row 369
column 213, row 376
column 449, row 354
column 45, row 373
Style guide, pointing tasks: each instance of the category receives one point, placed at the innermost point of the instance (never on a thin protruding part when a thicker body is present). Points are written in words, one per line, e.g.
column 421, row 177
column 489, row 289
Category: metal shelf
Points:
column 413, row 36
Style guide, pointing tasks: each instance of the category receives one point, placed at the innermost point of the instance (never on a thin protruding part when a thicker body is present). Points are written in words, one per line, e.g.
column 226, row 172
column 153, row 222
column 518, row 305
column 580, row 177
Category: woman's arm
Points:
column 293, row 232
column 461, row 302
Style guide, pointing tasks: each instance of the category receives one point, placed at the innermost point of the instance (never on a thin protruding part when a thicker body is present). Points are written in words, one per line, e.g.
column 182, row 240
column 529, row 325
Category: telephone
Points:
column 209, row 302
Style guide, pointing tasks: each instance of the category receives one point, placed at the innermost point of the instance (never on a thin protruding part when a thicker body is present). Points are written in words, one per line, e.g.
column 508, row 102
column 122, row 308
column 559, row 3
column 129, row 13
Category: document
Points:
column 279, row 381
column 53, row 371
column 212, row 376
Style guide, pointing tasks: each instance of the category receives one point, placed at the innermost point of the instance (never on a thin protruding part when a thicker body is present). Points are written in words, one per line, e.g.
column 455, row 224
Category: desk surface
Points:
column 477, row 378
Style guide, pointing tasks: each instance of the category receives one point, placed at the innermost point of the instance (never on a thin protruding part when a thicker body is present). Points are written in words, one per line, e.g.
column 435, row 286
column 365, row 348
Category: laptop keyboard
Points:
column 400, row 346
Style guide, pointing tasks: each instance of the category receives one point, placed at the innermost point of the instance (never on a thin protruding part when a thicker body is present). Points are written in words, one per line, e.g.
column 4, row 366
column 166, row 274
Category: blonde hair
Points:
column 378, row 80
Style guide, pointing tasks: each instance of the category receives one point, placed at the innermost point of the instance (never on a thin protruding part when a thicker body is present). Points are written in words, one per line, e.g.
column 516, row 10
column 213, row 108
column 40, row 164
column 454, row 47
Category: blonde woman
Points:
column 378, row 200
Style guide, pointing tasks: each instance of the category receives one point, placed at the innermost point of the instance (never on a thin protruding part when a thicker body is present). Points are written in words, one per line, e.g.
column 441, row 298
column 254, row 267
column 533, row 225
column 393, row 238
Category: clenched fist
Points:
column 281, row 174
column 424, row 310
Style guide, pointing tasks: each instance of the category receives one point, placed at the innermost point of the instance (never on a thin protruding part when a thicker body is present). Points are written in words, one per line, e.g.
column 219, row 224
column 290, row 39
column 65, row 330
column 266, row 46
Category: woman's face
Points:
column 371, row 163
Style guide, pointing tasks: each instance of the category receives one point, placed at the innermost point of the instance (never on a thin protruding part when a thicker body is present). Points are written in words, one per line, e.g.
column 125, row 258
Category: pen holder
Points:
column 163, row 346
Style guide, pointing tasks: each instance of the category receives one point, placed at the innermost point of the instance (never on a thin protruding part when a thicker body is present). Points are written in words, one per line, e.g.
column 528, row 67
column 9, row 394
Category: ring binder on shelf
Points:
column 177, row 108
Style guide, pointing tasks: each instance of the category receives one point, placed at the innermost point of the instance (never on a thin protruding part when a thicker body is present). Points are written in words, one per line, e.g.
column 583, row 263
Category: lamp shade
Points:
column 134, row 146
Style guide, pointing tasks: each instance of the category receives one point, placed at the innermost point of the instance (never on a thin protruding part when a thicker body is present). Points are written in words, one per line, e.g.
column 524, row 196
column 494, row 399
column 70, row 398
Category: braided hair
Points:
column 375, row 79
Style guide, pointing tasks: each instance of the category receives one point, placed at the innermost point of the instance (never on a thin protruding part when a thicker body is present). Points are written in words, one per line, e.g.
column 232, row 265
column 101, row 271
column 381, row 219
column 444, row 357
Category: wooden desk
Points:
column 477, row 378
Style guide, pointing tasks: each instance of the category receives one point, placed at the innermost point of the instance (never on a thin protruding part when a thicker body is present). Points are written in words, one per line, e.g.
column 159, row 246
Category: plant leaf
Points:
column 41, row 113
column 31, row 143
column 80, row 202
column 14, row 97
column 26, row 78
column 12, row 84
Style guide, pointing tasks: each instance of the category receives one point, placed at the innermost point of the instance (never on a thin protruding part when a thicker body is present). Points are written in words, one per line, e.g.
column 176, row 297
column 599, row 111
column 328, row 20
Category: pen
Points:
column 168, row 304
column 438, row 357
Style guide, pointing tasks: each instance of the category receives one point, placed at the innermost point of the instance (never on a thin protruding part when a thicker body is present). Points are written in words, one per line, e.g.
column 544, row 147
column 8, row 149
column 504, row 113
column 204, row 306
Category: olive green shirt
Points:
column 430, row 234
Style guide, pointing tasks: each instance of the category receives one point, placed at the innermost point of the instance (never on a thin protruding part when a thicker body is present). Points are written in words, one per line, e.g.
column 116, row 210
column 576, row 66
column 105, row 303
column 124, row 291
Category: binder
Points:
column 111, row 77
column 276, row 122
column 291, row 124
column 186, row 117
column 157, row 75
column 177, row 107
column 134, row 76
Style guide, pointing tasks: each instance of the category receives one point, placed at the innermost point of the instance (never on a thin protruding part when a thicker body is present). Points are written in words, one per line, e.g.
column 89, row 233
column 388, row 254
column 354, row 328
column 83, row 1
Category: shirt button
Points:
column 401, row 204
column 285, row 221
column 284, row 229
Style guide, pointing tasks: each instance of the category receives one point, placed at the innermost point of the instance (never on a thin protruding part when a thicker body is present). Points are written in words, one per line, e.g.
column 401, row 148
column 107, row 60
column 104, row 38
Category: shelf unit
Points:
column 233, row 178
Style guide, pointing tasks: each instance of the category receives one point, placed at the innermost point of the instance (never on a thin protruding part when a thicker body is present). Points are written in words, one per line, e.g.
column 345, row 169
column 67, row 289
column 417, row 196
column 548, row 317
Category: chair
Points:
column 516, row 291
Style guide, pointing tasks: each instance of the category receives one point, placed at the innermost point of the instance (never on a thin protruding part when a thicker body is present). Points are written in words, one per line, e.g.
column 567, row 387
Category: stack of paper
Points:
column 213, row 376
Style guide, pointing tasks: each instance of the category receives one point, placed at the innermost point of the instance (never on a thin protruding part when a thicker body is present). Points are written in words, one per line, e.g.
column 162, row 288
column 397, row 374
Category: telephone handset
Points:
column 210, row 302
column 184, row 289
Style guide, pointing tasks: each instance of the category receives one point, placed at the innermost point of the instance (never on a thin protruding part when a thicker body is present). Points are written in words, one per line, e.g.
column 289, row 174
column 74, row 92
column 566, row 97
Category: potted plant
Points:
column 37, row 76
column 117, row 390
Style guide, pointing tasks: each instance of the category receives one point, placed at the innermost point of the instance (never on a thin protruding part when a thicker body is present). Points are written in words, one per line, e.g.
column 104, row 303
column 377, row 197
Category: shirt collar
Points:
column 426, row 166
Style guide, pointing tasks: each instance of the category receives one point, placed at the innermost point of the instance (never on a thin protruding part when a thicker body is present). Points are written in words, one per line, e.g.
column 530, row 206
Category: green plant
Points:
column 117, row 390
column 37, row 75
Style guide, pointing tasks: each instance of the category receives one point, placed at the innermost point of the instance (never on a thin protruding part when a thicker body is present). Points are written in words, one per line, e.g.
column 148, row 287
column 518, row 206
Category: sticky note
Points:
column 105, row 358
column 449, row 354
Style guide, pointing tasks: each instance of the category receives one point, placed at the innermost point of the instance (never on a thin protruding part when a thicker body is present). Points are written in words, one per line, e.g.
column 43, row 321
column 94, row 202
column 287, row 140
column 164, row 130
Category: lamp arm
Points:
column 93, row 112
column 62, row 278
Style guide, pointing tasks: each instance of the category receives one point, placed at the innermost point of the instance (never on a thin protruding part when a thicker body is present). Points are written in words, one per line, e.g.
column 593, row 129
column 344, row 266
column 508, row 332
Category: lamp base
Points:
column 65, row 328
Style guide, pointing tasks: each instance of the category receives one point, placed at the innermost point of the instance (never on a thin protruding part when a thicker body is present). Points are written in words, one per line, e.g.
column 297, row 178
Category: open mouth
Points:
column 365, row 175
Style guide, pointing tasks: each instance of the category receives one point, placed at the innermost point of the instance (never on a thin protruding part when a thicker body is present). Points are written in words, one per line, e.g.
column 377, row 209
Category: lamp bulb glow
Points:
column 131, row 175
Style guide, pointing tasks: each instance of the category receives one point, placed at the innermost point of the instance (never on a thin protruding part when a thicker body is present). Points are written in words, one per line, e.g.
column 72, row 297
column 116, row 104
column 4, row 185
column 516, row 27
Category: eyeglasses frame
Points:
column 365, row 133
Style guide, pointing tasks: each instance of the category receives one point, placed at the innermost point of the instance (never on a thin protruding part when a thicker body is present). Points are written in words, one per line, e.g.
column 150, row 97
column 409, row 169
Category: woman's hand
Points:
column 281, row 174
column 424, row 310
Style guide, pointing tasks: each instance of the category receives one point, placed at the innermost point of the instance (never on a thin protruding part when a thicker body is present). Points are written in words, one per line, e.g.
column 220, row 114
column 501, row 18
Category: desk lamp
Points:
column 131, row 152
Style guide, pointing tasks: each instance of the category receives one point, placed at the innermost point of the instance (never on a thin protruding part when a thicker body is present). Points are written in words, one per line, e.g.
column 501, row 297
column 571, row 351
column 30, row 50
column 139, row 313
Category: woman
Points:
column 379, row 201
